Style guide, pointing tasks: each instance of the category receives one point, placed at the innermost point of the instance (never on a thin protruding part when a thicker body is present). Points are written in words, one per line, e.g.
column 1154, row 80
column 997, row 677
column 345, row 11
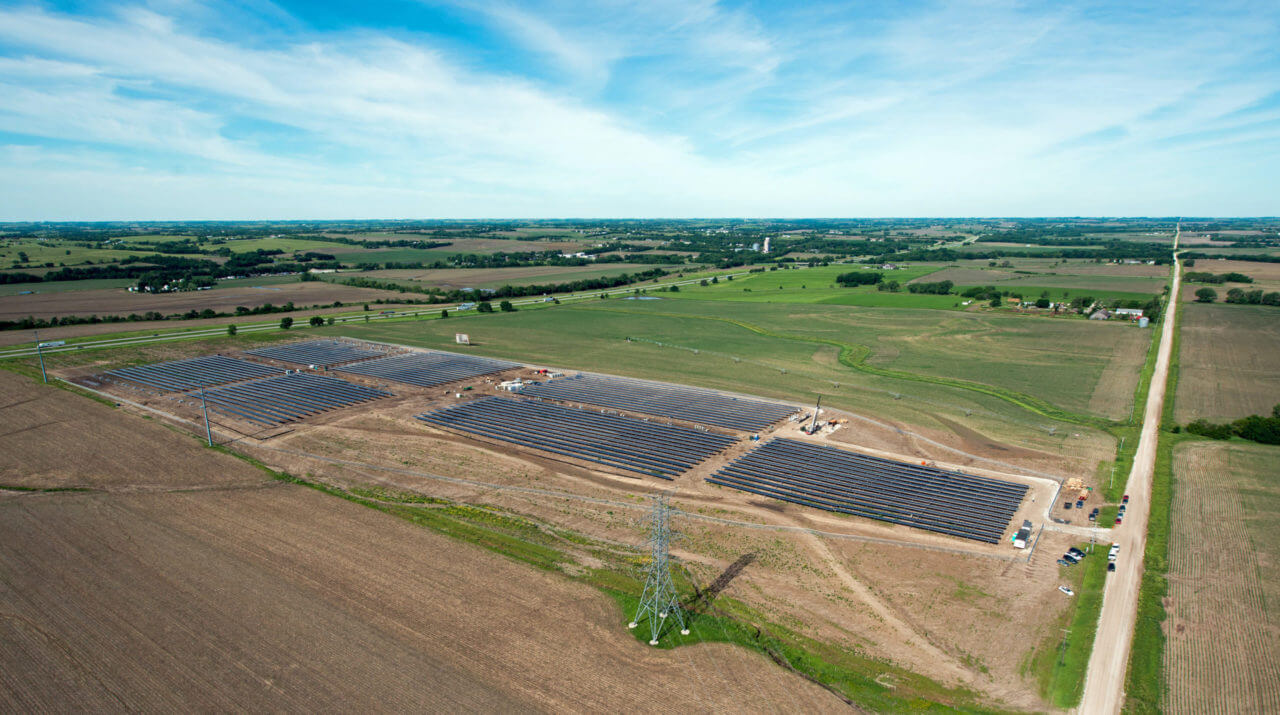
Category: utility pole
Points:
column 43, row 375
column 208, row 433
column 659, row 600
column 1113, row 466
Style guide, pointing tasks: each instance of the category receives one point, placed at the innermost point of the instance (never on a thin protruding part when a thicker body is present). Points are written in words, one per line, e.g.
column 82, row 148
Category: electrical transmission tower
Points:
column 659, row 601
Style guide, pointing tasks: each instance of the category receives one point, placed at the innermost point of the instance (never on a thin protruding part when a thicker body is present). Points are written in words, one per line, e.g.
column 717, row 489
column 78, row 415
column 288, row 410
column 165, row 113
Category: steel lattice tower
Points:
column 659, row 600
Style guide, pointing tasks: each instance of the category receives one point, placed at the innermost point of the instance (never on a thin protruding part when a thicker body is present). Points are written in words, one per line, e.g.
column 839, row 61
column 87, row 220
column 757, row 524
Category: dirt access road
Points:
column 1109, row 662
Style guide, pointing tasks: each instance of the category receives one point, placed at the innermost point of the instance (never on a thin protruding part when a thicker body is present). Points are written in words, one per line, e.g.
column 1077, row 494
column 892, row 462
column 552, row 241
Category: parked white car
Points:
column 1066, row 590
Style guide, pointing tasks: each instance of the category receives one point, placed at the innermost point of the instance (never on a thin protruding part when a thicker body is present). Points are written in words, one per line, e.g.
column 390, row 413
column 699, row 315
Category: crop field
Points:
column 216, row 587
column 1230, row 362
column 9, row 289
column 117, row 301
column 1057, row 284
column 497, row 277
column 1222, row 648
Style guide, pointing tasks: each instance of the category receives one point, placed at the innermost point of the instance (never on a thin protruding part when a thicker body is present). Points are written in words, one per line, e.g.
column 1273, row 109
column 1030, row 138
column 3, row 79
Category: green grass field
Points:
column 817, row 285
column 57, row 252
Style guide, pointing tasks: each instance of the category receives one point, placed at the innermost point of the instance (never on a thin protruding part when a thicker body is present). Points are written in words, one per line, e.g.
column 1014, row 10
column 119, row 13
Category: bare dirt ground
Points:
column 1222, row 652
column 222, row 300
column 197, row 583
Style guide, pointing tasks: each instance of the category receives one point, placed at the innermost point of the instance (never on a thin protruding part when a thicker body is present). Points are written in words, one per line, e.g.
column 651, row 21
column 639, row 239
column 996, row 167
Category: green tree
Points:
column 231, row 329
column 316, row 321
column 444, row 313
column 1206, row 295
column 286, row 323
column 995, row 301
column 506, row 307
column 484, row 307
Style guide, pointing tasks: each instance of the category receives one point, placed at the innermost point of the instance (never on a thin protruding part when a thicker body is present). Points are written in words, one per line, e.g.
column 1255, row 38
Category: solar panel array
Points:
column 427, row 369
column 316, row 352
column 674, row 401
column 612, row 440
column 923, row 497
column 179, row 375
column 276, row 400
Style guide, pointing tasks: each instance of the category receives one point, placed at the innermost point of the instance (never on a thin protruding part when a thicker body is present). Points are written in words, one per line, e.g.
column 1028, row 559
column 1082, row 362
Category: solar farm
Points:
column 584, row 417
column 690, row 404
column 322, row 353
column 277, row 400
column 427, row 369
column 612, row 440
column 180, row 375
column 836, row 480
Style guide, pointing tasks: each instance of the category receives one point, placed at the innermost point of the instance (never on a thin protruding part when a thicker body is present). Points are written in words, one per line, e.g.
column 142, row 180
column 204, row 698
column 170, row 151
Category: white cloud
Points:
column 983, row 110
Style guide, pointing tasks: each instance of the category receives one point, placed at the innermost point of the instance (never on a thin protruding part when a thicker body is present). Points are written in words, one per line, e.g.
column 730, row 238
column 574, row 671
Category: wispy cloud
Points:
column 638, row 109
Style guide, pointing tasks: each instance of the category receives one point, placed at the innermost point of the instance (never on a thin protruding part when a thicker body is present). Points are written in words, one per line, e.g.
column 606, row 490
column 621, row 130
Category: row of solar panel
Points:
column 316, row 352
column 194, row 373
column 427, row 369
column 923, row 497
column 673, row 401
column 276, row 400
column 622, row 442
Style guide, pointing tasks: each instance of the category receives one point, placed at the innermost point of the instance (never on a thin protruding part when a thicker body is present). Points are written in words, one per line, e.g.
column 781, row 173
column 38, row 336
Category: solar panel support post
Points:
column 659, row 601
column 43, row 375
column 204, row 406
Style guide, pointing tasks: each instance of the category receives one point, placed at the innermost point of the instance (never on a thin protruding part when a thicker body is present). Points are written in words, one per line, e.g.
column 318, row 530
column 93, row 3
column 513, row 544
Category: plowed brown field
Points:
column 1223, row 630
column 187, row 580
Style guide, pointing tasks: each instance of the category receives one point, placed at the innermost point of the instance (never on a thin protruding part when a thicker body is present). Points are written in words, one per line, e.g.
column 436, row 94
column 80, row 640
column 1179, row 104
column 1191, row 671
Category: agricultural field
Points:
column 1266, row 277
column 1222, row 648
column 289, row 596
column 1230, row 362
column 223, row 299
column 449, row 278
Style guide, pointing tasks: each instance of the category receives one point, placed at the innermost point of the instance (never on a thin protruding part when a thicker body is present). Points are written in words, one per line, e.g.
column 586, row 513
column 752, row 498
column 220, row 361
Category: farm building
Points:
column 1130, row 313
column 1100, row 314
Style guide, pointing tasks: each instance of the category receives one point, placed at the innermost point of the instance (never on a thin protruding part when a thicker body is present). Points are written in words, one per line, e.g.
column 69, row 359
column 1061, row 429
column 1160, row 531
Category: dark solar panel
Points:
column 680, row 402
column 179, row 375
column 276, row 400
column 621, row 442
column 836, row 480
column 322, row 353
column 427, row 369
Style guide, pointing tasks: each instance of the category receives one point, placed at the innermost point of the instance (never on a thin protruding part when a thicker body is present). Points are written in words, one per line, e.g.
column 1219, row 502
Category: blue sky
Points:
column 179, row 109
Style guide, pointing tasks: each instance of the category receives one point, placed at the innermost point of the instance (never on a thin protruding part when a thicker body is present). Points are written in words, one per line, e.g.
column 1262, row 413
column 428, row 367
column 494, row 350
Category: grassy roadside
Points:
column 1058, row 662
column 1144, row 681
column 861, row 679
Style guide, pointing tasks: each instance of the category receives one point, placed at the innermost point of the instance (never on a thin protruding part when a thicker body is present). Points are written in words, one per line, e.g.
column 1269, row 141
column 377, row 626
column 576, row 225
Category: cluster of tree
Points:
column 859, row 278
column 1215, row 278
column 1252, row 297
column 1255, row 428
column 438, row 295
column 938, row 288
column 1251, row 257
